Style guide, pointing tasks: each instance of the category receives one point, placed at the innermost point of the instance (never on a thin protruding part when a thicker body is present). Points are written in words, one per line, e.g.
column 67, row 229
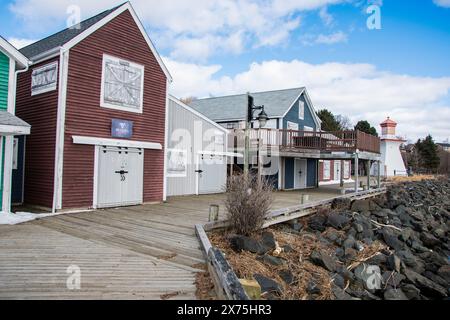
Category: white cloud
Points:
column 20, row 43
column 420, row 105
column 186, row 24
column 326, row 17
column 327, row 39
column 333, row 38
column 442, row 3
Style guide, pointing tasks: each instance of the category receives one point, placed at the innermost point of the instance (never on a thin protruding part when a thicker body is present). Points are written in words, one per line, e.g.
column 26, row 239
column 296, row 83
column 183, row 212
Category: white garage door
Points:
column 120, row 176
column 212, row 173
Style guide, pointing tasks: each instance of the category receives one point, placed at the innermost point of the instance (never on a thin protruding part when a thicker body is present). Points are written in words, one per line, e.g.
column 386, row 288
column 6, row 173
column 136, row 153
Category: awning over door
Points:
column 10, row 125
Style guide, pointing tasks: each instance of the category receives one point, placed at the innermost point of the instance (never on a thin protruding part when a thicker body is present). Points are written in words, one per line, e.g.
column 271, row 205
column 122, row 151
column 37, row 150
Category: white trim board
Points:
column 13, row 53
column 6, row 130
column 220, row 153
column 94, row 141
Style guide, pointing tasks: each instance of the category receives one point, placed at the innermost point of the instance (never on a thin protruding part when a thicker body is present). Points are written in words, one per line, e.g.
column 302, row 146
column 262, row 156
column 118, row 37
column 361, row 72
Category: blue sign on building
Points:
column 121, row 128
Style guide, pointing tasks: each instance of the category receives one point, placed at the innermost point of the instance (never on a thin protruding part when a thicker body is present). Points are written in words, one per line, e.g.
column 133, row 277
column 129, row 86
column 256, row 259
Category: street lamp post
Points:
column 262, row 118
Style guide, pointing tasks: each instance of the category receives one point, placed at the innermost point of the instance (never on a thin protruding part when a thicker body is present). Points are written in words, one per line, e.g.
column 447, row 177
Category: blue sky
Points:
column 220, row 47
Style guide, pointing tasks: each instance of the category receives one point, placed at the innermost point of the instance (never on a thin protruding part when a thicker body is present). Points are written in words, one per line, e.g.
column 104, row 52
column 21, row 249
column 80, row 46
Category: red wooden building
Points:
column 96, row 98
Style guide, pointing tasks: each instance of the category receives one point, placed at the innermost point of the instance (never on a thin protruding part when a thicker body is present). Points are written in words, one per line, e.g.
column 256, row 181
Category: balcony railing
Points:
column 298, row 141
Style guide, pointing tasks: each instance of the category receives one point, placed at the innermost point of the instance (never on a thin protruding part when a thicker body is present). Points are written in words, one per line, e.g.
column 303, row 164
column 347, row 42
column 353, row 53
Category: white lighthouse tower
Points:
column 391, row 159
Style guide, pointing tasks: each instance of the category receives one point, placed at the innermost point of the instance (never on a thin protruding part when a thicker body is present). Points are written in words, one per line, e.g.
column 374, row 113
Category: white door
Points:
column 212, row 173
column 347, row 170
column 337, row 170
column 300, row 174
column 120, row 177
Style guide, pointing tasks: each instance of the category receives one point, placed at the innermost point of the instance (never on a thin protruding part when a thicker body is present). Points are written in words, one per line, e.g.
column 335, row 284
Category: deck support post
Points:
column 356, row 171
column 378, row 174
column 368, row 174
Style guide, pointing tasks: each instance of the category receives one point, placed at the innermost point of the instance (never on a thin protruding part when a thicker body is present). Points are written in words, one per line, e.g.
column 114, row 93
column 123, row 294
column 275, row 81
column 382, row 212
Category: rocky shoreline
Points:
column 392, row 247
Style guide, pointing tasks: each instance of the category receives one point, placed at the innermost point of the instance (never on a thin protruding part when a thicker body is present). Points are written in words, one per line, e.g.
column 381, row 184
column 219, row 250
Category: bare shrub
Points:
column 248, row 202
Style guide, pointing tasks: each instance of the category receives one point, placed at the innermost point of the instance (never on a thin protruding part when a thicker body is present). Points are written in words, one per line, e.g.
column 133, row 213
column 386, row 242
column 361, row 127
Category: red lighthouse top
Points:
column 388, row 123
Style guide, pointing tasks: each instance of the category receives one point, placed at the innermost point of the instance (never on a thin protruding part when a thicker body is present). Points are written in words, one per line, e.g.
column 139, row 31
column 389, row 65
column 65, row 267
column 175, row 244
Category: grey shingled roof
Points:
column 7, row 119
column 59, row 39
column 276, row 104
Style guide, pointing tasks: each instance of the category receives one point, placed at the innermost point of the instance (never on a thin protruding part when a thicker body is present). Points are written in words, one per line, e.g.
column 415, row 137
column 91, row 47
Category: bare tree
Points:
column 344, row 122
column 248, row 202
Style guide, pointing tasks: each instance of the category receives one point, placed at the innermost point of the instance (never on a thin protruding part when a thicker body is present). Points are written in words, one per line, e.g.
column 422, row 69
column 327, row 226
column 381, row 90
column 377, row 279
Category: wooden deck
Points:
column 141, row 252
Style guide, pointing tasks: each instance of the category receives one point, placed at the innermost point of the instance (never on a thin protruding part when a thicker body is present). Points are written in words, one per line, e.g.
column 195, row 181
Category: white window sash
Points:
column 301, row 110
column 122, row 85
column 44, row 79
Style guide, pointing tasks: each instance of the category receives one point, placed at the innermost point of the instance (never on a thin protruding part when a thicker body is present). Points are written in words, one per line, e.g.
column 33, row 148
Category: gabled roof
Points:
column 8, row 49
column 61, row 38
column 69, row 37
column 198, row 114
column 232, row 108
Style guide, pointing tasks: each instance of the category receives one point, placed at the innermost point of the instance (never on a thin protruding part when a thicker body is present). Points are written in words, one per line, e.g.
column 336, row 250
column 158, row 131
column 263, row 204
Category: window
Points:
column 326, row 170
column 44, row 79
column 309, row 129
column 122, row 85
column 301, row 110
column 292, row 126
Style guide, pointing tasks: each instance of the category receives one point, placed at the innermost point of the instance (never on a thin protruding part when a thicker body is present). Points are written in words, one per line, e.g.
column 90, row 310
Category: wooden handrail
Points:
column 346, row 141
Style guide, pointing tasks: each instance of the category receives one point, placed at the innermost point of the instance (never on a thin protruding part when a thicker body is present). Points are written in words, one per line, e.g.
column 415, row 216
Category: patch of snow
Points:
column 21, row 217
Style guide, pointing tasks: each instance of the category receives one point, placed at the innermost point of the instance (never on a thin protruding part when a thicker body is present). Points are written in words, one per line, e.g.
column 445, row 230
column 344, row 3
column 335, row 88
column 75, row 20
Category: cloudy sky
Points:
column 219, row 47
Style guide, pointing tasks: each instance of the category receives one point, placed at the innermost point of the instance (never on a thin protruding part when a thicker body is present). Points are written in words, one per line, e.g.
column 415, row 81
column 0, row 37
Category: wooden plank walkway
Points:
column 141, row 252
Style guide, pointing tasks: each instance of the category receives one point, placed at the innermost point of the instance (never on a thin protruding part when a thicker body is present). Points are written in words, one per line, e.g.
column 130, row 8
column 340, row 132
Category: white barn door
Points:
column 120, row 177
column 212, row 173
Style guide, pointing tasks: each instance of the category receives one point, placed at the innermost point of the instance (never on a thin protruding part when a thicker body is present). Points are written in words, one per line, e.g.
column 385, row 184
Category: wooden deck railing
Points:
column 292, row 140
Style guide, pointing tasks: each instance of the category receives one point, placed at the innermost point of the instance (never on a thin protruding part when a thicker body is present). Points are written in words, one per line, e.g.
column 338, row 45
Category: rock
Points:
column 287, row 248
column 391, row 240
column 350, row 254
column 394, row 294
column 358, row 227
column 268, row 240
column 339, row 281
column 429, row 240
column 333, row 236
column 440, row 233
column 317, row 222
column 406, row 234
column 340, row 294
column 313, row 288
column 287, row 276
column 321, row 258
column 274, row 261
column 410, row 291
column 252, row 288
column 268, row 285
column 444, row 272
column 393, row 279
column 428, row 287
column 349, row 242
column 435, row 278
column 242, row 243
column 394, row 262
column 337, row 220
column 345, row 273
column 379, row 259
column 360, row 205
column 418, row 247
column 359, row 246
column 358, row 290
column 381, row 213
column 370, row 276
column 341, row 204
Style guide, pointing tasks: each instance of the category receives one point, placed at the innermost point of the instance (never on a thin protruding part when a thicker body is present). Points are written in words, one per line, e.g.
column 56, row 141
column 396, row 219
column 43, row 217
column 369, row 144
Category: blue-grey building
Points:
column 292, row 117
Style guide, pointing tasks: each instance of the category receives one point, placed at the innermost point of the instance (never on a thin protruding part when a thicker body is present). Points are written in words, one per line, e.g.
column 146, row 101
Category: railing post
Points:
column 356, row 172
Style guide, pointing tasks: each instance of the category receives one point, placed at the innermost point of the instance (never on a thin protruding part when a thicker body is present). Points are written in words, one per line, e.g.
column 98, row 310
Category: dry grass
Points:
column 416, row 178
column 204, row 284
column 245, row 264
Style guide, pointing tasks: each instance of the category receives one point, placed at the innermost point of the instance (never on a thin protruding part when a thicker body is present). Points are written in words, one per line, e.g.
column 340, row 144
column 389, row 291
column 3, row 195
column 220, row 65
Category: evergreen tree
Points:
column 428, row 154
column 365, row 126
column 329, row 121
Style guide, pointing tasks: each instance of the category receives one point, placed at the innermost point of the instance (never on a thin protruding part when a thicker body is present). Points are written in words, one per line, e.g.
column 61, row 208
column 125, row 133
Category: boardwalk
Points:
column 142, row 252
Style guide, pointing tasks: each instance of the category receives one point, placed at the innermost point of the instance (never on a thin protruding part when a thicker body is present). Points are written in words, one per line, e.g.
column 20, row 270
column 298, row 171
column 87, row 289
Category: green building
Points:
column 11, row 63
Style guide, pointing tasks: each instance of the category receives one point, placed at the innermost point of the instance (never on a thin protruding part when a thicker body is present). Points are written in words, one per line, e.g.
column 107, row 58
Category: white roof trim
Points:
column 6, row 130
column 185, row 106
column 296, row 99
column 108, row 18
column 116, row 143
column 13, row 53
